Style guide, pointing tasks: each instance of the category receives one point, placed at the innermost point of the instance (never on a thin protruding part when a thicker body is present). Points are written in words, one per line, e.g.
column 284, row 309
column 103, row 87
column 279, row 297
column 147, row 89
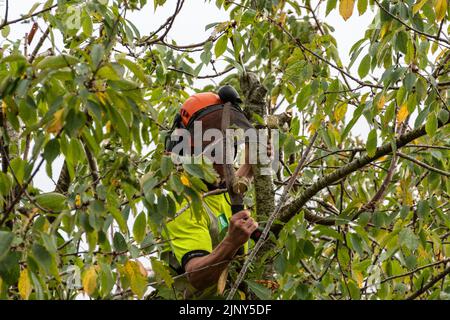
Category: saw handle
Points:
column 235, row 208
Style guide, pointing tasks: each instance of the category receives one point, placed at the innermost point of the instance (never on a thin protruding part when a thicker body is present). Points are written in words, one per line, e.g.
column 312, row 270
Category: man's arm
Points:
column 203, row 272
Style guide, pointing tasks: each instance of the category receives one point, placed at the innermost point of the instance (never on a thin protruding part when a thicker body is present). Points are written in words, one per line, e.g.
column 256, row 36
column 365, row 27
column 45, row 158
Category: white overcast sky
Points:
column 189, row 27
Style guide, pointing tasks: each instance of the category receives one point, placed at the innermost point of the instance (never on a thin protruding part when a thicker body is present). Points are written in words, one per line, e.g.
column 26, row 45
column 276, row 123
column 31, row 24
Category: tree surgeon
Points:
column 203, row 248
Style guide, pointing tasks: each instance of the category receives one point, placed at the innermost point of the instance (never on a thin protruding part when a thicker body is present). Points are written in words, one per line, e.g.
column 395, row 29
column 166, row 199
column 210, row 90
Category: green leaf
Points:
column 10, row 268
column 119, row 123
column 51, row 201
column 260, row 291
column 355, row 241
column 221, row 46
column 135, row 68
column 158, row 3
column 331, row 4
column 166, row 165
column 364, row 66
column 51, row 150
column 97, row 55
column 87, row 25
column 419, row 4
column 327, row 231
column 119, row 243
column 33, row 8
column 362, row 6
column 74, row 121
column 401, row 42
column 308, row 248
column 18, row 168
column 431, row 125
column 6, row 184
column 5, row 31
column 43, row 257
column 108, row 72
column 6, row 239
column 407, row 238
column 119, row 218
column 139, row 227
column 371, row 144
column 410, row 81
column 443, row 115
column 248, row 17
column 57, row 62
column 161, row 272
column 355, row 293
column 106, row 279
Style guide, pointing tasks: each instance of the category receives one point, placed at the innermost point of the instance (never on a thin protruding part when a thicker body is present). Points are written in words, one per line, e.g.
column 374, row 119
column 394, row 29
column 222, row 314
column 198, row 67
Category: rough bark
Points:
column 62, row 186
column 255, row 103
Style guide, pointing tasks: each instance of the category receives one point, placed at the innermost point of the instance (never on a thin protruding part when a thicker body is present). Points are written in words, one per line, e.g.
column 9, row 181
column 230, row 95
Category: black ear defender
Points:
column 229, row 94
column 169, row 144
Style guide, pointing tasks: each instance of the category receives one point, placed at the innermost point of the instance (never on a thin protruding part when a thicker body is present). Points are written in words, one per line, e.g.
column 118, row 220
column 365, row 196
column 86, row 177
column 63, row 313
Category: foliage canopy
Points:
column 366, row 219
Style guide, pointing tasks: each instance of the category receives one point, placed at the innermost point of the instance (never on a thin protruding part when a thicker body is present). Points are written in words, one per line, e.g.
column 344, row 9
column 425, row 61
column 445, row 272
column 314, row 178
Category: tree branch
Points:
column 293, row 208
column 429, row 285
column 23, row 18
column 430, row 36
column 423, row 164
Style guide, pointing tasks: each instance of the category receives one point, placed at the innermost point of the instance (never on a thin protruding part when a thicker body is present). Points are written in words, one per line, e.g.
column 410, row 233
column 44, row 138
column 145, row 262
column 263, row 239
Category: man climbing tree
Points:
column 203, row 247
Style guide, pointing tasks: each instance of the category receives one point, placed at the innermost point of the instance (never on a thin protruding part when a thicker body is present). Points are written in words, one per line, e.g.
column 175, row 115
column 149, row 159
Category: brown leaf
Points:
column 221, row 283
column 32, row 32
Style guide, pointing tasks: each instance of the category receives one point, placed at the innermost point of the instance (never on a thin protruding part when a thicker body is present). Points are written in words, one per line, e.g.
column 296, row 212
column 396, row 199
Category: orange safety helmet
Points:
column 207, row 106
column 196, row 103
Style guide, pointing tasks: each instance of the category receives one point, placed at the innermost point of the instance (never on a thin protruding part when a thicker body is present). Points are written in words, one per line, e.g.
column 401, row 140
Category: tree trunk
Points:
column 255, row 103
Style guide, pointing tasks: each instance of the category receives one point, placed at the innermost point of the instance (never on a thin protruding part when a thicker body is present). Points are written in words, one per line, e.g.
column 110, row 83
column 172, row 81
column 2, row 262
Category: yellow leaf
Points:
column 108, row 127
column 185, row 180
column 359, row 278
column 402, row 113
column 441, row 54
column 313, row 127
column 89, row 280
column 381, row 102
column 282, row 18
column 241, row 295
column 440, row 6
column 101, row 96
column 340, row 112
column 346, row 8
column 4, row 107
column 221, row 283
column 404, row 192
column 138, row 282
column 385, row 28
column 77, row 201
column 56, row 124
column 423, row 253
column 418, row 6
column 141, row 268
column 364, row 97
column 24, row 284
column 274, row 99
